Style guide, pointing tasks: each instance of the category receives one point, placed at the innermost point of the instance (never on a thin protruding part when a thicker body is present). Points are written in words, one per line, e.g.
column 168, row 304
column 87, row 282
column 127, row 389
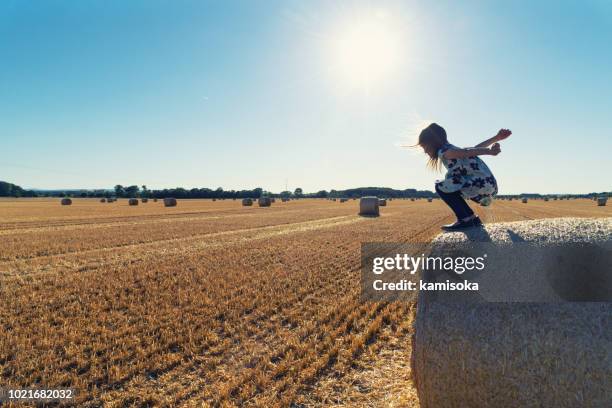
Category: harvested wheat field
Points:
column 213, row 303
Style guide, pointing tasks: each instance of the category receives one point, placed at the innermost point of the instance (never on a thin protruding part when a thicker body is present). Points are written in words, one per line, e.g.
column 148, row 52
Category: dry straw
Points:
column 264, row 202
column 369, row 206
column 516, row 354
column 170, row 202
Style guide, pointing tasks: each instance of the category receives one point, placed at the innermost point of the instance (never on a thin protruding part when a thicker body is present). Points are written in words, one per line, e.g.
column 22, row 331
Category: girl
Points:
column 467, row 175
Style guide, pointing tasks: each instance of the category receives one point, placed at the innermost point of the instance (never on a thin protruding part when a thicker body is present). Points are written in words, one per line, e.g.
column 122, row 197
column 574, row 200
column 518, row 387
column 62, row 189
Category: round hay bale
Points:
column 369, row 206
column 272, row 200
column 66, row 201
column 524, row 200
column 133, row 201
column 546, row 198
column 553, row 354
column 601, row 201
column 247, row 202
column 103, row 200
column 412, row 199
column 382, row 202
column 264, row 202
column 429, row 200
column 144, row 200
column 343, row 200
column 169, row 202
column 284, row 200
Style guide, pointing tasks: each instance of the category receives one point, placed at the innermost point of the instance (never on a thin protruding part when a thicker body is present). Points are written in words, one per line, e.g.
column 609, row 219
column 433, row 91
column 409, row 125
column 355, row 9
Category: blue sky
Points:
column 242, row 94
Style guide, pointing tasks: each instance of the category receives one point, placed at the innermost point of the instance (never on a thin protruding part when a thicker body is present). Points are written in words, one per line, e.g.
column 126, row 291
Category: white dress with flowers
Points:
column 470, row 175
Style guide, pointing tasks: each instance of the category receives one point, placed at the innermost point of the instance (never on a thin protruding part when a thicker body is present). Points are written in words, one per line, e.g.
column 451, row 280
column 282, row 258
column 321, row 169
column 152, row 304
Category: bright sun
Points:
column 365, row 51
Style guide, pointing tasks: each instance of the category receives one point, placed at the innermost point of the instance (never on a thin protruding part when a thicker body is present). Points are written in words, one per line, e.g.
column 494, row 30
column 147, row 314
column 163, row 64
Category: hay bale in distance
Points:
column 524, row 200
column 169, row 202
column 144, row 200
column 515, row 354
column 264, row 202
column 133, row 201
column 247, row 202
column 382, row 202
column 284, row 199
column 369, row 206
column 155, row 200
column 601, row 201
column 66, row 201
column 429, row 200
column 343, row 200
column 103, row 200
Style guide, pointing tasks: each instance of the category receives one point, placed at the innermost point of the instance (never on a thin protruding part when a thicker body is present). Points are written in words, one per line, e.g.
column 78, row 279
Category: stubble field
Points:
column 211, row 303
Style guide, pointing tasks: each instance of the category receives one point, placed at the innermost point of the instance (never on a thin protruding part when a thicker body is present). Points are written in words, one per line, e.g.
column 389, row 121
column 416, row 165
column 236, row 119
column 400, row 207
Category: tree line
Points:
column 134, row 191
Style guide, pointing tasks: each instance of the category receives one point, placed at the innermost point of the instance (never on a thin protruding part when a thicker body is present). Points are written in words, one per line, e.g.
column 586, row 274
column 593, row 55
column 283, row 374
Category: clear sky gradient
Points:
column 318, row 94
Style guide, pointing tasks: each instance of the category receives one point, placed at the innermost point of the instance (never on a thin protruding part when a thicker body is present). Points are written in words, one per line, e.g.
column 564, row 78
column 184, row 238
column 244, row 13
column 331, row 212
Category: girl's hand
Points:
column 503, row 134
column 496, row 149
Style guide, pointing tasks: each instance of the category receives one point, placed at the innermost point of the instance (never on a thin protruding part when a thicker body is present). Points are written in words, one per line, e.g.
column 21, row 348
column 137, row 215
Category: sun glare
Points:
column 366, row 50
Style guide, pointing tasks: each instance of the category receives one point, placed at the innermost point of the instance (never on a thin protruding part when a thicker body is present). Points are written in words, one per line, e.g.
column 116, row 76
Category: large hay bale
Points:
column 133, row 201
column 369, row 206
column 66, row 201
column 169, row 202
column 247, row 202
column 555, row 354
column 524, row 200
column 382, row 202
column 264, row 202
column 601, row 201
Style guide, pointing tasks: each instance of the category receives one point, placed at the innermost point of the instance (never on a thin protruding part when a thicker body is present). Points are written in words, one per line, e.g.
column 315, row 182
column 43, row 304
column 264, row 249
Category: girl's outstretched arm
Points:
column 501, row 135
column 472, row 151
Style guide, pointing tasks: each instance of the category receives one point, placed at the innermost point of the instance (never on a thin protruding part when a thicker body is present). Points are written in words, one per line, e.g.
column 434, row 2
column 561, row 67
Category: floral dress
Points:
column 469, row 175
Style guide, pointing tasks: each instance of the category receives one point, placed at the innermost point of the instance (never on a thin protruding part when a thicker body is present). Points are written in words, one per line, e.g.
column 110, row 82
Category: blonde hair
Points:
column 431, row 139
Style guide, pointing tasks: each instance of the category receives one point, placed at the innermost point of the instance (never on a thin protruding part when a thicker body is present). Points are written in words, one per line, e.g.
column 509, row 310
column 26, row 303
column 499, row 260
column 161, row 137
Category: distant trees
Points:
column 134, row 191
column 381, row 192
column 12, row 190
column 119, row 190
